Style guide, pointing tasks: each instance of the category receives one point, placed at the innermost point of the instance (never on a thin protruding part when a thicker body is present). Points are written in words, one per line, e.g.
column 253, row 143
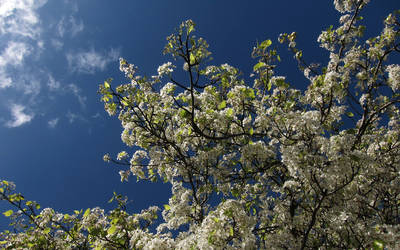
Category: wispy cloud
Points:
column 57, row 44
column 5, row 80
column 29, row 85
column 91, row 61
column 26, row 37
column 69, row 25
column 76, row 91
column 12, row 55
column 72, row 117
column 76, row 26
column 20, row 30
column 53, row 123
column 53, row 84
column 19, row 117
column 20, row 17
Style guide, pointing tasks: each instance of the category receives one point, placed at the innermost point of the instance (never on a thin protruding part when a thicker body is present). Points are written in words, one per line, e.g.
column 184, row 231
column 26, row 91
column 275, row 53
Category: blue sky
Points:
column 54, row 54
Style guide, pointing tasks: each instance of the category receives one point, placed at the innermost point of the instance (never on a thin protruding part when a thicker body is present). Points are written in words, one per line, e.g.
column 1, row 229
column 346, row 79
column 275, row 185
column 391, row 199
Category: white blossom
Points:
column 394, row 76
column 165, row 69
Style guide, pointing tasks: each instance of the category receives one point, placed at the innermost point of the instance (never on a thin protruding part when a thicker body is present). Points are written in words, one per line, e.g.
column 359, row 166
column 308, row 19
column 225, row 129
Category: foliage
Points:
column 259, row 165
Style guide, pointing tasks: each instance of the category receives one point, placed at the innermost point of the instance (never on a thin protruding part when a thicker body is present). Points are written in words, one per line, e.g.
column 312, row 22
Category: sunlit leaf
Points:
column 378, row 245
column 8, row 213
column 87, row 212
column 229, row 112
column 222, row 105
column 258, row 66
column 265, row 44
column 190, row 28
column 112, row 229
column 192, row 59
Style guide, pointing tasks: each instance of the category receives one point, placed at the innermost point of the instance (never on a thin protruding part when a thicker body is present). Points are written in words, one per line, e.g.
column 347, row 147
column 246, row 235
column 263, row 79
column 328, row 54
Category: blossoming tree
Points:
column 251, row 165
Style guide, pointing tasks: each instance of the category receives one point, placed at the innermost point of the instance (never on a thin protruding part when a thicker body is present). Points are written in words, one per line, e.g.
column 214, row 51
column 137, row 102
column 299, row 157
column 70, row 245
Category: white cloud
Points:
column 57, row 44
column 12, row 55
column 25, row 37
column 61, row 27
column 71, row 117
column 29, row 85
column 77, row 93
column 91, row 61
column 73, row 4
column 18, row 116
column 53, row 84
column 5, row 80
column 53, row 123
column 19, row 17
column 69, row 25
column 76, row 26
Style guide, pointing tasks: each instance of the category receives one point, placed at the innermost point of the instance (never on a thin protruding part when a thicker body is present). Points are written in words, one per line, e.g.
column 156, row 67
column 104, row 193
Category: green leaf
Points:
column 349, row 114
column 269, row 86
column 183, row 113
column 106, row 85
column 251, row 132
column 192, row 59
column 87, row 212
column 190, row 29
column 8, row 213
column 235, row 193
column 170, row 45
column 229, row 112
column 151, row 172
column 167, row 207
column 222, row 105
column 265, row 44
column 46, row 230
column 250, row 93
column 278, row 57
column 258, row 66
column 112, row 229
column 231, row 231
column 378, row 245
column 215, row 219
column 114, row 221
column 124, row 103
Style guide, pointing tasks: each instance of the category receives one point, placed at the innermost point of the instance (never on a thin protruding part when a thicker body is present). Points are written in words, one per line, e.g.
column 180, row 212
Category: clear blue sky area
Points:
column 54, row 54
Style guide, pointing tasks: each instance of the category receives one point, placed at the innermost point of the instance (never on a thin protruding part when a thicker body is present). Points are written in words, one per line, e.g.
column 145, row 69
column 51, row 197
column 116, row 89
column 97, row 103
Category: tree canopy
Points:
column 252, row 164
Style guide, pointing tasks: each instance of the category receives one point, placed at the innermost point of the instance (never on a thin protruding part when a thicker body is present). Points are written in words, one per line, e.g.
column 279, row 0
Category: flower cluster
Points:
column 165, row 69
